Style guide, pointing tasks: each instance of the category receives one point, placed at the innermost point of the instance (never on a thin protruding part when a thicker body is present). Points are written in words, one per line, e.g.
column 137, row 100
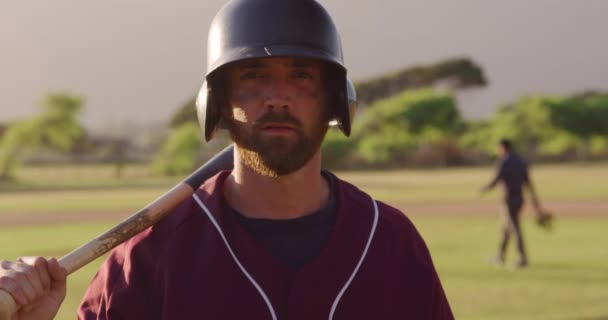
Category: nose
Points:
column 278, row 96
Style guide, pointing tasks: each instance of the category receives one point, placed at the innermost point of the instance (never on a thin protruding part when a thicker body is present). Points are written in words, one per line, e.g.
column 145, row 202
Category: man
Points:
column 513, row 173
column 276, row 237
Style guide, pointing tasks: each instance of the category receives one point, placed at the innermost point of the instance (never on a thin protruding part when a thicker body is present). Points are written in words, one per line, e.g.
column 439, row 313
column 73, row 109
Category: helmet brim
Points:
column 255, row 52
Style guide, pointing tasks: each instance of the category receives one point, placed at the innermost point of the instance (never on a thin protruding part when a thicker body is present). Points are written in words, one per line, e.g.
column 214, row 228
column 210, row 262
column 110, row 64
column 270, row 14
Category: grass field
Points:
column 567, row 279
column 95, row 189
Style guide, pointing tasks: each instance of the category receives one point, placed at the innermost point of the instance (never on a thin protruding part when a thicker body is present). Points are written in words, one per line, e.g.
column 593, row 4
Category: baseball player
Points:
column 513, row 174
column 277, row 237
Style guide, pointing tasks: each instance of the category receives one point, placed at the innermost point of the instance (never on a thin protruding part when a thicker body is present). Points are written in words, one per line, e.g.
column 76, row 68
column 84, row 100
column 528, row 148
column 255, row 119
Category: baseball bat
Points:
column 142, row 219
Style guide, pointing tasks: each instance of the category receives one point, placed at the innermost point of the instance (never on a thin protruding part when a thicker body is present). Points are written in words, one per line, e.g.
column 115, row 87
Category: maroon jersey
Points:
column 199, row 263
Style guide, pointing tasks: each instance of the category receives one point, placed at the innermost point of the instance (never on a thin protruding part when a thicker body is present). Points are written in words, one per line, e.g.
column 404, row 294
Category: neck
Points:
column 285, row 197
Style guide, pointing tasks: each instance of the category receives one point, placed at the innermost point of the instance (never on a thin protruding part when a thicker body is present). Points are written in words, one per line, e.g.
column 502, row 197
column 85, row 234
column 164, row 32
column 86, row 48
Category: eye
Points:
column 301, row 74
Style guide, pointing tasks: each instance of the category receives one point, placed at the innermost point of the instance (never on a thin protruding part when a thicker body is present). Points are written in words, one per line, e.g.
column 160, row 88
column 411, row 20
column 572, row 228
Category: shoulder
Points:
column 131, row 276
column 349, row 193
column 393, row 224
column 150, row 244
column 144, row 251
column 399, row 227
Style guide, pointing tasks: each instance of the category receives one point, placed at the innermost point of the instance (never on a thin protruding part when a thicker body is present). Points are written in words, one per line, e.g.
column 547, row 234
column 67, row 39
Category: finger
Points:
column 23, row 275
column 37, row 272
column 11, row 286
column 56, row 271
column 41, row 266
column 58, row 279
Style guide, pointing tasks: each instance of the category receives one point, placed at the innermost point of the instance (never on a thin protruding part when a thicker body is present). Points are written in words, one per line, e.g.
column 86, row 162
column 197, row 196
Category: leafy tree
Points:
column 457, row 73
column 59, row 123
column 586, row 118
column 546, row 126
column 179, row 154
column 391, row 128
column 56, row 126
column 16, row 140
column 336, row 148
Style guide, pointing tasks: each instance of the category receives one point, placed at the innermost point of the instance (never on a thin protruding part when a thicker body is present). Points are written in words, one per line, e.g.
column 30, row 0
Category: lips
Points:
column 278, row 126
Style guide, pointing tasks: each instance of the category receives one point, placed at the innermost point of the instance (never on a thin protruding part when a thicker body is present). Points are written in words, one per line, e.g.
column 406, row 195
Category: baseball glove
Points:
column 544, row 219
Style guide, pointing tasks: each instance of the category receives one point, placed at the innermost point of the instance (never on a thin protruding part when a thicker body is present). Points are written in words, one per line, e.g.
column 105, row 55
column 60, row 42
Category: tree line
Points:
column 403, row 121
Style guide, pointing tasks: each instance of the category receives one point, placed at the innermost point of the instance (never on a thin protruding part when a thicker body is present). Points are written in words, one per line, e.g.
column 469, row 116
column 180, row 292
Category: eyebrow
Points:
column 304, row 63
column 249, row 64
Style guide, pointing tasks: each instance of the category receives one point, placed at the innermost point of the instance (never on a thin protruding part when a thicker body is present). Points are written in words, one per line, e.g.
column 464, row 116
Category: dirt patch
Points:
column 558, row 208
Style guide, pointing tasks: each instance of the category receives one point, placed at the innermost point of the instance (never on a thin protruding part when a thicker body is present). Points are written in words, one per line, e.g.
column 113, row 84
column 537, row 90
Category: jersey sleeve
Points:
column 419, row 286
column 436, row 301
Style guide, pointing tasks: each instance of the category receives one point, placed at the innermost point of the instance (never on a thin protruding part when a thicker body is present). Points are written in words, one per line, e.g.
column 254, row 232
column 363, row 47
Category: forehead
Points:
column 285, row 62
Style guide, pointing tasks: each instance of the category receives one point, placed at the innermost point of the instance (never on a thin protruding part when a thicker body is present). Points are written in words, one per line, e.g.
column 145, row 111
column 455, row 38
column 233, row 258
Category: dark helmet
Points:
column 246, row 29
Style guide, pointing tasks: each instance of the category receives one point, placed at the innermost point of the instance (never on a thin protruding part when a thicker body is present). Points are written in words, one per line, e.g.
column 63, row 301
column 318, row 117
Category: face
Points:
column 502, row 151
column 278, row 113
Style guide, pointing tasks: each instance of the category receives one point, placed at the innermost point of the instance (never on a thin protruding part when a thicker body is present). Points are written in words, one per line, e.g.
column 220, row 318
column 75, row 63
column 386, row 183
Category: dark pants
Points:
column 511, row 226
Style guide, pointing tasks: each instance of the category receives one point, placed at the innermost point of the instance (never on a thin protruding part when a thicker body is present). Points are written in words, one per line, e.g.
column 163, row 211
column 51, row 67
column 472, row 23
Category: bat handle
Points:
column 8, row 306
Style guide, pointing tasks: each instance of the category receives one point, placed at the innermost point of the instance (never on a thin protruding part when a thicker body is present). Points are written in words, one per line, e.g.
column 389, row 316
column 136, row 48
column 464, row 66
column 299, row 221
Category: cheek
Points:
column 311, row 91
column 239, row 114
column 310, row 100
column 315, row 100
column 247, row 95
column 243, row 101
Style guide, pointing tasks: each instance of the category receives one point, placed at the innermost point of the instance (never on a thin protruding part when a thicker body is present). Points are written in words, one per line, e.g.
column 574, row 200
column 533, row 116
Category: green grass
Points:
column 81, row 188
column 55, row 241
column 553, row 182
column 567, row 278
column 85, row 201
column 90, row 189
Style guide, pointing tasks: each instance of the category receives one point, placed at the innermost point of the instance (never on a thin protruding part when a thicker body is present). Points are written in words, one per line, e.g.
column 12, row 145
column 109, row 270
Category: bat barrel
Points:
column 147, row 216
column 133, row 225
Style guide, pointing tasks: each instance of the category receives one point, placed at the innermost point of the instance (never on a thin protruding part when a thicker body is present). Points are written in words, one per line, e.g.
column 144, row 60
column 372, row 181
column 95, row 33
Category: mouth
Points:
column 278, row 128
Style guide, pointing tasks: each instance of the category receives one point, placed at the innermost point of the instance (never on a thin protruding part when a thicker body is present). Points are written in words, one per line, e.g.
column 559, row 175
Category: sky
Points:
column 137, row 61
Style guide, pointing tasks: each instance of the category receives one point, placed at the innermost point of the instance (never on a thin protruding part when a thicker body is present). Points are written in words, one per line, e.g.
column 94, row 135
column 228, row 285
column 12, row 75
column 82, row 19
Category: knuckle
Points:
column 5, row 264
column 38, row 261
column 26, row 268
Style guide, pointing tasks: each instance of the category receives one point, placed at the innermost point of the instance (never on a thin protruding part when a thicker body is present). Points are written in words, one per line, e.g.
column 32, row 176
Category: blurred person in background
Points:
column 513, row 173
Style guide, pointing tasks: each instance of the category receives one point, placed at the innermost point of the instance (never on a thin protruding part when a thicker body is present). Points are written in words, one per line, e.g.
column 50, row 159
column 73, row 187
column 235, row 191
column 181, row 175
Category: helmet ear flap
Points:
column 351, row 98
column 346, row 106
column 208, row 110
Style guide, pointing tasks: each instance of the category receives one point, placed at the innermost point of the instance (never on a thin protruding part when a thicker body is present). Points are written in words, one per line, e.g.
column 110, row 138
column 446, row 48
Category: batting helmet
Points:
column 246, row 29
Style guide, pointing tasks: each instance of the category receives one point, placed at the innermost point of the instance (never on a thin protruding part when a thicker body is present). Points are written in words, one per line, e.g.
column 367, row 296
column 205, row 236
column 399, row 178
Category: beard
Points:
column 277, row 155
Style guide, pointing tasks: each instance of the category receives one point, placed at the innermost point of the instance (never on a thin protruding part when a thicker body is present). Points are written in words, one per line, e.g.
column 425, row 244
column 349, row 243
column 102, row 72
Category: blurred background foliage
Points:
column 406, row 118
column 56, row 127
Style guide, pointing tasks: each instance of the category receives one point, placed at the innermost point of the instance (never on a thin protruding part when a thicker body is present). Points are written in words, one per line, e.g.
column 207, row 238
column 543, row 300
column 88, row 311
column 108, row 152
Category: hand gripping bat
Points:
column 144, row 218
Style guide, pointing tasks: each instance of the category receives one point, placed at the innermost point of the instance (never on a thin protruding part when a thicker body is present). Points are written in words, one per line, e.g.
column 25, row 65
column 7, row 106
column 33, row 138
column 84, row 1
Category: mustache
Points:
column 277, row 117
